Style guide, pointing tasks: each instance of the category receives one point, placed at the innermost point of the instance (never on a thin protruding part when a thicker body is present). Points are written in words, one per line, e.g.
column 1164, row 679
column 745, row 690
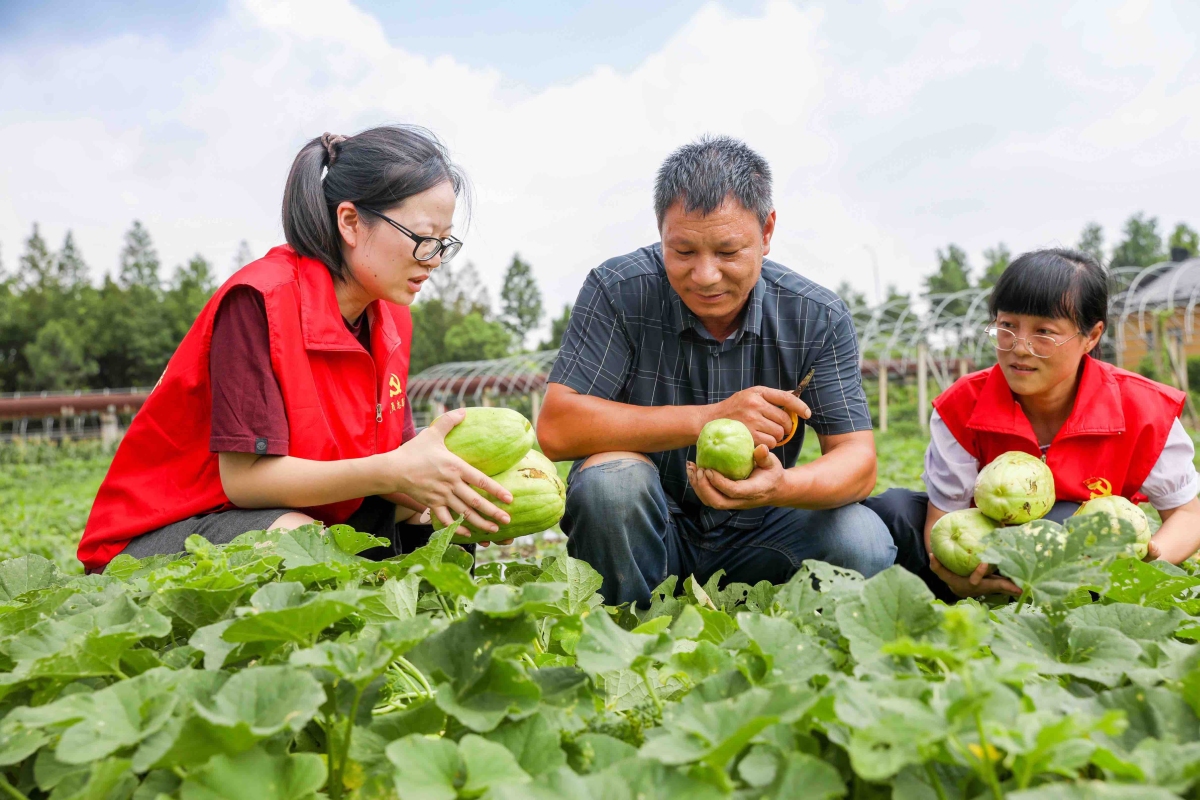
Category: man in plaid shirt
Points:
column 700, row 327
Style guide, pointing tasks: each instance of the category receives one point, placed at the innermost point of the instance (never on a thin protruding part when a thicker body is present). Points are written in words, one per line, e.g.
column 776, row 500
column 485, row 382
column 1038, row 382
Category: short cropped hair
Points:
column 1057, row 283
column 702, row 174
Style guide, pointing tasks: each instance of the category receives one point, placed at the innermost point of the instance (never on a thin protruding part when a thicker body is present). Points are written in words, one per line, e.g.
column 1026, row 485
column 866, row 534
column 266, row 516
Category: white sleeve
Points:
column 1173, row 480
column 950, row 470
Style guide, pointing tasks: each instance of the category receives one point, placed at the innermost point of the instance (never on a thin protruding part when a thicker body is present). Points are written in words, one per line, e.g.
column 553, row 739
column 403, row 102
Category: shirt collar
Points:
column 1097, row 409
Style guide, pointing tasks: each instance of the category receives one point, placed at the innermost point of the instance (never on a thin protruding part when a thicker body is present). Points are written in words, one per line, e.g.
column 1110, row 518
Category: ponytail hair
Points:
column 378, row 168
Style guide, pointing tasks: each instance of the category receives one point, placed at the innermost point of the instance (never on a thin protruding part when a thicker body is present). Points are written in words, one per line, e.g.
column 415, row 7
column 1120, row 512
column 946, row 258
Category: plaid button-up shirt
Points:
column 631, row 339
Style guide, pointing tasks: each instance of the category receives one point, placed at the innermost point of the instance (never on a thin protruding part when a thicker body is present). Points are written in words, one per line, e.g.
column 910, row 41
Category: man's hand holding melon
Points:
column 771, row 415
column 731, row 471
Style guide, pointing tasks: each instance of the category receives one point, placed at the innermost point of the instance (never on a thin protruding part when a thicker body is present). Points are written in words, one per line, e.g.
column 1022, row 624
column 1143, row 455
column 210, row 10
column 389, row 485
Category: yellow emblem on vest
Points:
column 394, row 386
column 1099, row 487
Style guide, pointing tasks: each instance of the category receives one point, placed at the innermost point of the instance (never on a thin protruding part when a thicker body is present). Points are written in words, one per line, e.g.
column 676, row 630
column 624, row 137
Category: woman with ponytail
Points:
column 285, row 402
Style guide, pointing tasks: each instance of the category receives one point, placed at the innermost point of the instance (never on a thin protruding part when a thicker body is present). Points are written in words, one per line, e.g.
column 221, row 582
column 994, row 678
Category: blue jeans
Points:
column 617, row 520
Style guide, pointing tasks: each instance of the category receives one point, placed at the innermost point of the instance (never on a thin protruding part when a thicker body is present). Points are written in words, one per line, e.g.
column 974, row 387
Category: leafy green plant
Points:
column 284, row 665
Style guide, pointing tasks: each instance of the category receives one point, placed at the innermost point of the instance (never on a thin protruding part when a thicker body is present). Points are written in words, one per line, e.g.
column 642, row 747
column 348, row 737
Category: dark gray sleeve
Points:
column 835, row 395
column 595, row 357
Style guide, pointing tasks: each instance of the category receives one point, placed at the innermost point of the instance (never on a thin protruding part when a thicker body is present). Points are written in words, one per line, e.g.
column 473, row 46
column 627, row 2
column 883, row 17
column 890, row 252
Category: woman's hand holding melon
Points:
column 767, row 412
column 977, row 584
column 426, row 471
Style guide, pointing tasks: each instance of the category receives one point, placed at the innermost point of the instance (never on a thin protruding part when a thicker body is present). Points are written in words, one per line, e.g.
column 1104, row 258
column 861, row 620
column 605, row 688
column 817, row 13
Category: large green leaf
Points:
column 284, row 612
column 605, row 646
column 395, row 600
column 1137, row 622
column 502, row 600
column 481, row 704
column 426, row 768
column 891, row 605
column 533, row 742
column 27, row 573
column 256, row 775
column 582, row 583
column 260, row 702
column 1159, row 584
column 1051, row 561
column 715, row 732
column 1061, row 648
column 1093, row 790
column 792, row 656
column 120, row 716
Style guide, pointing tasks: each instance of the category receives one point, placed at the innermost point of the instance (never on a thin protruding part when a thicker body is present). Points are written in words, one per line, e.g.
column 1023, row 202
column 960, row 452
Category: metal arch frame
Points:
column 889, row 332
column 517, row 374
column 1129, row 294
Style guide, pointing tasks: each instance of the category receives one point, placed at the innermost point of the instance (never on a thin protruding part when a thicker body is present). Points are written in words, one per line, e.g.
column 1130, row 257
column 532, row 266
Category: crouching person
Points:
column 285, row 401
column 1100, row 430
column 700, row 327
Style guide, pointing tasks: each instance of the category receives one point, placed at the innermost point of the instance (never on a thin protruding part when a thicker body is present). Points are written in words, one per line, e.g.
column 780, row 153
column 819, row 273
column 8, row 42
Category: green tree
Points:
column 558, row 329
column 72, row 271
column 134, row 339
column 57, row 358
column 996, row 260
column 35, row 269
column 139, row 260
column 1091, row 241
column 459, row 288
column 451, row 293
column 477, row 339
column 520, row 300
column 952, row 275
column 1186, row 238
column 1142, row 246
column 191, row 286
column 850, row 296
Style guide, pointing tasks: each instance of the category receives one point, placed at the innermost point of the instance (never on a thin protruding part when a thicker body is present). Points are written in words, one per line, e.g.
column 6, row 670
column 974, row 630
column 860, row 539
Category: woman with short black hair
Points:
column 1100, row 429
column 285, row 402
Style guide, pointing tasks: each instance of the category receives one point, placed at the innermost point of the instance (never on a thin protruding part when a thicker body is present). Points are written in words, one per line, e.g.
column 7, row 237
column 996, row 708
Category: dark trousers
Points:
column 617, row 519
column 903, row 512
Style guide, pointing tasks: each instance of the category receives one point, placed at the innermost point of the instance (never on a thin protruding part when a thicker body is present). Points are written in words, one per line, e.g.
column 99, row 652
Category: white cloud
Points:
column 899, row 128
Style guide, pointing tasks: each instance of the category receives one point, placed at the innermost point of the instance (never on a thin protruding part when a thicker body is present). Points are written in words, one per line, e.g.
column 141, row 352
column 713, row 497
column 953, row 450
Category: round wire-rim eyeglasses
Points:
column 1038, row 342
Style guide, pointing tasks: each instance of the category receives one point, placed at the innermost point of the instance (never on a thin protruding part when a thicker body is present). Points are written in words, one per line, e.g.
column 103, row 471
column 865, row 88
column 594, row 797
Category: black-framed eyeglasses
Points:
column 427, row 246
column 1039, row 346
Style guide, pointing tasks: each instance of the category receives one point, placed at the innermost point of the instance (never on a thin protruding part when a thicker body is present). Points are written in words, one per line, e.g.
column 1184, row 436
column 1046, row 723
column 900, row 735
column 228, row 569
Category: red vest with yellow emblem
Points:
column 1108, row 445
column 341, row 402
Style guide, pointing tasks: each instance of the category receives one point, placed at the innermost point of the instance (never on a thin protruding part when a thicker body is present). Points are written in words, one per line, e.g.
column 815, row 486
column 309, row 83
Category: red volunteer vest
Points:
column 1108, row 445
column 341, row 402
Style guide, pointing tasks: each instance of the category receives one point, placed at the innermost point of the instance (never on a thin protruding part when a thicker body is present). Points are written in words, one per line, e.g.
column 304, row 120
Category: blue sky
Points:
column 893, row 126
column 534, row 43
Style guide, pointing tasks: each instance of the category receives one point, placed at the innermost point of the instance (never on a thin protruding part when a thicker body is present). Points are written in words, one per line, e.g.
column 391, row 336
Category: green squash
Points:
column 1015, row 488
column 958, row 538
column 727, row 446
column 491, row 440
column 539, row 497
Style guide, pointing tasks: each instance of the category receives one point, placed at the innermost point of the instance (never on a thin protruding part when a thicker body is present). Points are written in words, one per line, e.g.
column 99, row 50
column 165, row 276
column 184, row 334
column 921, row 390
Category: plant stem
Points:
column 10, row 790
column 931, row 773
column 1025, row 595
column 416, row 673
column 337, row 779
column 988, row 768
column 653, row 694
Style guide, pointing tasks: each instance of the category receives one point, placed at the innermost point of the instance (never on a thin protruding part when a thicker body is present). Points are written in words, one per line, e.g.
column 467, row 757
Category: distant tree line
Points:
column 60, row 330
column 1142, row 245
